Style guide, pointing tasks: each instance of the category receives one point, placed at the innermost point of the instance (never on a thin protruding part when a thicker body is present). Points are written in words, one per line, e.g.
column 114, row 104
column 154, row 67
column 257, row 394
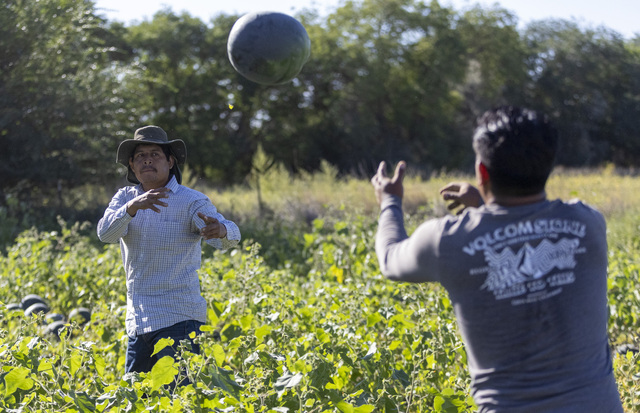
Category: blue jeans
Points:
column 140, row 347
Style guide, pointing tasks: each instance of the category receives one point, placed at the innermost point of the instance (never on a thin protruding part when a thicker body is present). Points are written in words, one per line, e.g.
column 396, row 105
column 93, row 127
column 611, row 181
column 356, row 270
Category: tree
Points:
column 378, row 86
column 587, row 81
column 496, row 56
column 57, row 99
column 186, row 85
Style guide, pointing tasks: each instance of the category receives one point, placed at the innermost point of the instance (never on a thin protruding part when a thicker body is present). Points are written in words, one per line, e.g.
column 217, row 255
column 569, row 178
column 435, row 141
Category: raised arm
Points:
column 402, row 258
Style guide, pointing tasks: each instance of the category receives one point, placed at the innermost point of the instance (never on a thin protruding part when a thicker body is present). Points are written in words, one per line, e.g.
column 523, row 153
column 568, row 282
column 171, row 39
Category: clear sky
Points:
column 622, row 16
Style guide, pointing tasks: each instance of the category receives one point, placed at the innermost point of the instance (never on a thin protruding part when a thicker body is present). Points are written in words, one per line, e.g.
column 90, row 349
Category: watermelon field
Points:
column 300, row 318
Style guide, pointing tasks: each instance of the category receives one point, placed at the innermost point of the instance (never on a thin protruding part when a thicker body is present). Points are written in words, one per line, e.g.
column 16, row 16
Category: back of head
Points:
column 518, row 148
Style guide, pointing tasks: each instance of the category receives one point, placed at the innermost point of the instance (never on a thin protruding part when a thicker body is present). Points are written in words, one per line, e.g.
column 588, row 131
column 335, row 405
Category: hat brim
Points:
column 126, row 148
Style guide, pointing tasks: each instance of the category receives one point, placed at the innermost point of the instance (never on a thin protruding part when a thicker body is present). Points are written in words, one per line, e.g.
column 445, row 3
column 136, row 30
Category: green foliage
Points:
column 378, row 85
column 496, row 72
column 58, row 98
column 304, row 322
column 61, row 269
column 338, row 338
column 592, row 79
column 183, row 81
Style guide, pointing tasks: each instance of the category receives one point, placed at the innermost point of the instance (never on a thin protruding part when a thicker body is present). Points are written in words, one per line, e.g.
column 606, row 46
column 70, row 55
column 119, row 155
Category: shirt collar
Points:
column 173, row 184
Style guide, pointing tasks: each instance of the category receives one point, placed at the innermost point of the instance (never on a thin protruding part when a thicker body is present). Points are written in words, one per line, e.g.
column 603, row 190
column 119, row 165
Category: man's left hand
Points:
column 461, row 194
column 213, row 228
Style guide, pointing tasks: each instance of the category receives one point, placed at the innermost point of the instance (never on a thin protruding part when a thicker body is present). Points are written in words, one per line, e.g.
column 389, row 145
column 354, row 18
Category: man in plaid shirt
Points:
column 160, row 225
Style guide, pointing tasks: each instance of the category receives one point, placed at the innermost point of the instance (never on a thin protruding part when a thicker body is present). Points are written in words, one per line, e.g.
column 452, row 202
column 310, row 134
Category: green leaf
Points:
column 231, row 330
column 75, row 362
column 161, row 344
column 84, row 402
column 373, row 349
column 212, row 316
column 233, row 345
column 224, row 380
column 344, row 407
column 17, row 378
column 338, row 383
column 287, row 381
column 322, row 336
column 218, row 355
column 395, row 344
column 261, row 332
column 318, row 224
column 99, row 364
column 214, row 313
column 163, row 372
column 365, row 408
column 245, row 321
column 402, row 377
column 308, row 240
column 337, row 273
column 373, row 319
column 448, row 392
column 45, row 366
column 341, row 227
column 438, row 401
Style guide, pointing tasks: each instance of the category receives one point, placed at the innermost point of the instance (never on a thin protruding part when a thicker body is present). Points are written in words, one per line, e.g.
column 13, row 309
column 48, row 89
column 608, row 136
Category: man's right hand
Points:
column 461, row 194
column 385, row 185
column 149, row 200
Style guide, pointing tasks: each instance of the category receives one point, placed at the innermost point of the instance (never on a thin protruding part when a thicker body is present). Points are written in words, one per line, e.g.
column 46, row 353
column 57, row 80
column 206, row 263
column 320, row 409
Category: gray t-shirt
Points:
column 529, row 289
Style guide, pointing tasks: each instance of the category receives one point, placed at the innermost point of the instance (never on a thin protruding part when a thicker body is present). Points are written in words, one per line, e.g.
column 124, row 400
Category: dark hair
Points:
column 167, row 151
column 518, row 147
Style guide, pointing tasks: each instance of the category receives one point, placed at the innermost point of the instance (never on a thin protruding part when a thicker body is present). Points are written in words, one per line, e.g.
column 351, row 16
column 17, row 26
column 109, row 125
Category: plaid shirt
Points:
column 161, row 253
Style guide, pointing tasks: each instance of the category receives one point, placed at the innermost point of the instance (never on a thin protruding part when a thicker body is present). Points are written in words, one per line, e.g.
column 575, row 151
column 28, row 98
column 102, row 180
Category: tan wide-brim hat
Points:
column 151, row 135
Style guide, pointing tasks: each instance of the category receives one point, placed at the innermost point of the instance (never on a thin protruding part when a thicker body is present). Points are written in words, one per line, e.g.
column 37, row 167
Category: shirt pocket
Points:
column 169, row 233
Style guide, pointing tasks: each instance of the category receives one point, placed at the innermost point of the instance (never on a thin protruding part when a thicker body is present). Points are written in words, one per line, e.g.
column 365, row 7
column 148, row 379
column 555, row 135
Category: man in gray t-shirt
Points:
column 526, row 276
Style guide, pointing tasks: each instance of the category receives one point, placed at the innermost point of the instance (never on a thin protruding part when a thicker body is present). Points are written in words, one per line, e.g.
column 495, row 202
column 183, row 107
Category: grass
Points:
column 615, row 193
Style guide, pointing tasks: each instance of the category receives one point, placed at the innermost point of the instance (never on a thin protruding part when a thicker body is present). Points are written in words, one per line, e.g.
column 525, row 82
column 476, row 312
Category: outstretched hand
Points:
column 149, row 200
column 213, row 228
column 385, row 185
column 461, row 194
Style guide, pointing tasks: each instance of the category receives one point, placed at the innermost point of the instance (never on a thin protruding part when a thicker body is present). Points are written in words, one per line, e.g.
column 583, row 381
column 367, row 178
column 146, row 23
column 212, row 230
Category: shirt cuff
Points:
column 390, row 201
column 233, row 233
